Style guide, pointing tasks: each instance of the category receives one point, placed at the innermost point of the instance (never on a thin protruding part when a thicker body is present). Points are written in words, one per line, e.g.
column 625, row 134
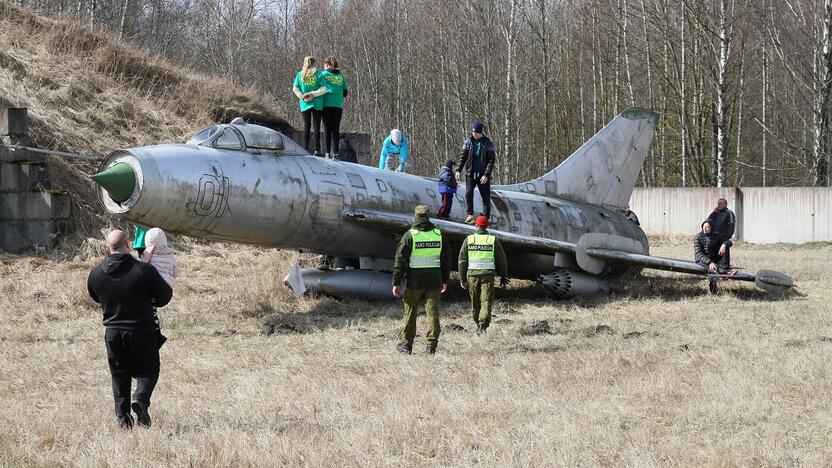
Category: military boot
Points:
column 481, row 329
column 404, row 349
column 430, row 350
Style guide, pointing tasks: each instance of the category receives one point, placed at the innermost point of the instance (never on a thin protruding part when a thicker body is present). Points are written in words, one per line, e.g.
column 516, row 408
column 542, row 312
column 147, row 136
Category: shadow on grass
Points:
column 333, row 313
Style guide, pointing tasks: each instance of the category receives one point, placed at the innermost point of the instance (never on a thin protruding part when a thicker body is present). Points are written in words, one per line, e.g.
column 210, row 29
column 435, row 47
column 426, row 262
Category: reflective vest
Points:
column 427, row 249
column 481, row 252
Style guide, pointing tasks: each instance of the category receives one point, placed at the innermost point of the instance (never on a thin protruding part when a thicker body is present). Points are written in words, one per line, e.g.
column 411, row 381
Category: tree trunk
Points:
column 820, row 145
column 722, row 91
column 765, row 112
column 650, row 98
column 627, row 52
column 509, row 34
column 124, row 7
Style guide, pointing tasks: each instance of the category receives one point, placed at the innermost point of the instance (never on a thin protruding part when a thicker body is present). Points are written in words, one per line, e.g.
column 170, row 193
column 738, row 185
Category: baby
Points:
column 160, row 255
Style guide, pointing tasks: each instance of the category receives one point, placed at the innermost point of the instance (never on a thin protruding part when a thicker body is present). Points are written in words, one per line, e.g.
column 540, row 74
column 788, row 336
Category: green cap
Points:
column 118, row 180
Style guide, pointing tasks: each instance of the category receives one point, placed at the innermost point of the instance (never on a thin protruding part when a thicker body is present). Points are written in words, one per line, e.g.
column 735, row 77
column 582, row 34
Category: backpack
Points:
column 345, row 151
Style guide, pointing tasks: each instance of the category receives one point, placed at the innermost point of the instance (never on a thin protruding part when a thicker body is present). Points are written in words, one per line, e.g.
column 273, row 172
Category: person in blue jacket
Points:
column 394, row 152
column 447, row 189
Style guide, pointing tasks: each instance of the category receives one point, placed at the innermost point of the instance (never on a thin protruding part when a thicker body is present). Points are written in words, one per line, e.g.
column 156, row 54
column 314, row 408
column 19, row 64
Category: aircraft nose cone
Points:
column 119, row 181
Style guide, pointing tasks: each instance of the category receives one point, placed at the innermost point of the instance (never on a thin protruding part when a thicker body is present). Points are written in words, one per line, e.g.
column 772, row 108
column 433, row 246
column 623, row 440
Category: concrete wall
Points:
column 764, row 215
column 786, row 214
column 31, row 214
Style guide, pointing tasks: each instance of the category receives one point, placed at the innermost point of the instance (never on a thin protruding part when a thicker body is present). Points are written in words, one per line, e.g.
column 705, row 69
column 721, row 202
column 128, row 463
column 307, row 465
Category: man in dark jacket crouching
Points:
column 128, row 290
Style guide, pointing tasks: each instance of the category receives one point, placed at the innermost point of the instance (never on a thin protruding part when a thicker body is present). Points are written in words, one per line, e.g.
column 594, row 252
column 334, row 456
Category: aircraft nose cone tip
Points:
column 118, row 180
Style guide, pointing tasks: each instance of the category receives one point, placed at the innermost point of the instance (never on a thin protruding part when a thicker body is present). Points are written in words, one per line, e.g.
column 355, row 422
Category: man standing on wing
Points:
column 477, row 161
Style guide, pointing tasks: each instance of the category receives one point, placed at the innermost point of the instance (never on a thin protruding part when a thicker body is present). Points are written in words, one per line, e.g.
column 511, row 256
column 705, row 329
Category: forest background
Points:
column 743, row 86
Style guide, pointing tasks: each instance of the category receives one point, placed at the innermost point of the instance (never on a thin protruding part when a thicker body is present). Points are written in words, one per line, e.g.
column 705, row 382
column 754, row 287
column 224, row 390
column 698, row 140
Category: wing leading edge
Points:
column 398, row 222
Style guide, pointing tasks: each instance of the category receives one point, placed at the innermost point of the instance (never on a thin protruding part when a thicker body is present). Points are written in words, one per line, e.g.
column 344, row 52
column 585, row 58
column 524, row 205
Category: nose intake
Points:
column 119, row 181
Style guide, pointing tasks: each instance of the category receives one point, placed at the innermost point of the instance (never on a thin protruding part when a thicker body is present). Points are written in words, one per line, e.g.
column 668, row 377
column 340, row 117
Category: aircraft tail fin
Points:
column 604, row 170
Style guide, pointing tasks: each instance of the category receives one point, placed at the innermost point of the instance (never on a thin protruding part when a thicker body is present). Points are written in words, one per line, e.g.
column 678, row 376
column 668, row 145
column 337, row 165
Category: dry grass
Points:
column 682, row 377
column 88, row 93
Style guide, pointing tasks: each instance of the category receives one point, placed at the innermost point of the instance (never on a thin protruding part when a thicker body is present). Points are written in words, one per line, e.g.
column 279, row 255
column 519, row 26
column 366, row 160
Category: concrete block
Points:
column 14, row 121
column 22, row 236
column 22, row 177
column 34, row 206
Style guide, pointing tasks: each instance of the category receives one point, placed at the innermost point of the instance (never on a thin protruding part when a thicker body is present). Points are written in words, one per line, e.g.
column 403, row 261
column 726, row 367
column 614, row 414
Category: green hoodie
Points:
column 335, row 83
column 421, row 278
column 309, row 84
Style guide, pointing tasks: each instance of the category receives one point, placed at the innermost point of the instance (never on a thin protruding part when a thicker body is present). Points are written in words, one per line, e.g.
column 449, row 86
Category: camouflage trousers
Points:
column 481, row 289
column 413, row 299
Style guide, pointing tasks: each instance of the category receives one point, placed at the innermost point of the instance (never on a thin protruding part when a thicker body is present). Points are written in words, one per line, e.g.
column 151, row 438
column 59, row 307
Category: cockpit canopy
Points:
column 241, row 136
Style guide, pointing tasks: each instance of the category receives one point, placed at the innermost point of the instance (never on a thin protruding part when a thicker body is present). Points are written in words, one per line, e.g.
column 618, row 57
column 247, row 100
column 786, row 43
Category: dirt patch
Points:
column 536, row 328
column 637, row 334
column 454, row 327
column 600, row 329
column 280, row 329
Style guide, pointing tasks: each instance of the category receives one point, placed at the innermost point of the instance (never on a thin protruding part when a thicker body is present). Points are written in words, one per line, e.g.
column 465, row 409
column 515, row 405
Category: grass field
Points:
column 660, row 373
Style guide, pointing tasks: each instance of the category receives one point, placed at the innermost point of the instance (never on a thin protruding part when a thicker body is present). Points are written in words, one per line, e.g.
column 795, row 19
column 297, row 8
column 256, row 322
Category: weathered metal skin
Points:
column 297, row 202
column 245, row 183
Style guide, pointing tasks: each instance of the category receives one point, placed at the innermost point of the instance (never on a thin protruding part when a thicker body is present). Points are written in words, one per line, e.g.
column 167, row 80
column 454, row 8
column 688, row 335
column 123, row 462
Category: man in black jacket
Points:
column 477, row 160
column 128, row 290
column 723, row 222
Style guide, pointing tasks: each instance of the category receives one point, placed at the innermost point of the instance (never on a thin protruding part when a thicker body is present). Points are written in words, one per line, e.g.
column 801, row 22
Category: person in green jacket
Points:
column 481, row 258
column 309, row 88
column 138, row 239
column 424, row 258
column 333, row 105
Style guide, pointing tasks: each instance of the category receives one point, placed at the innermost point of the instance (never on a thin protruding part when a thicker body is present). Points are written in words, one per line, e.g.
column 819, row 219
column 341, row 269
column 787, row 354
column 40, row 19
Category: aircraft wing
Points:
column 647, row 261
column 592, row 252
column 768, row 280
column 399, row 222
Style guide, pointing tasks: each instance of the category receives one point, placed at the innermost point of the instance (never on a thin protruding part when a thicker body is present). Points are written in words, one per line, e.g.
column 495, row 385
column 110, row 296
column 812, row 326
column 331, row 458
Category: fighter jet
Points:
column 246, row 183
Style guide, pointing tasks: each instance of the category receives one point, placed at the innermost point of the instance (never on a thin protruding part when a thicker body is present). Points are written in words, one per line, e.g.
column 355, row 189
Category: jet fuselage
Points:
column 299, row 202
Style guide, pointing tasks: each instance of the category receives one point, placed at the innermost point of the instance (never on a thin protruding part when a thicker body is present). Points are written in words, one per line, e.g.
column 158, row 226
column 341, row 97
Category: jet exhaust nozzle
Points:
column 568, row 283
column 118, row 180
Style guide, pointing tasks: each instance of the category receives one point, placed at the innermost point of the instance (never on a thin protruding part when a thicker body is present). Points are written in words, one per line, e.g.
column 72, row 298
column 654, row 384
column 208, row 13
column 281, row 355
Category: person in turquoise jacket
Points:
column 138, row 238
column 309, row 88
column 394, row 152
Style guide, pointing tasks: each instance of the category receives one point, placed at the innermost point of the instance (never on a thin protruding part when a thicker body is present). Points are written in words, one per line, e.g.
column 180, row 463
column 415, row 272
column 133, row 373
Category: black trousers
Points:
column 132, row 354
column 723, row 262
column 332, row 128
column 447, row 204
column 312, row 120
column 485, row 193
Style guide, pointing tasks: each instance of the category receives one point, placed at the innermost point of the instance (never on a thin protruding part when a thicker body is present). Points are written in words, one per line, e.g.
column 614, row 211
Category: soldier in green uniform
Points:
column 481, row 258
column 424, row 258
